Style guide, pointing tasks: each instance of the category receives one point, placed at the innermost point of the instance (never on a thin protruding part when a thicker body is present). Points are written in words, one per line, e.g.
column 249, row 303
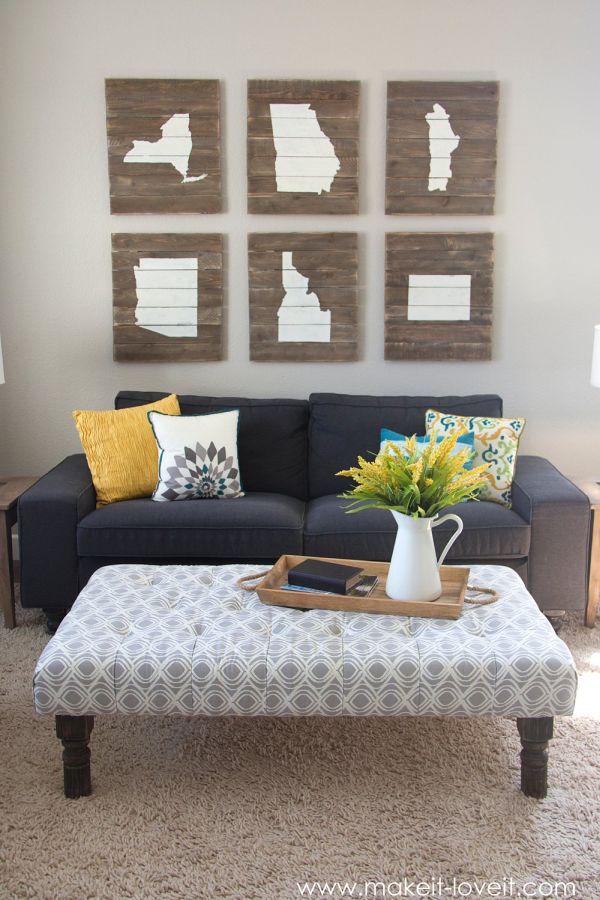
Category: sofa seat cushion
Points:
column 490, row 532
column 257, row 526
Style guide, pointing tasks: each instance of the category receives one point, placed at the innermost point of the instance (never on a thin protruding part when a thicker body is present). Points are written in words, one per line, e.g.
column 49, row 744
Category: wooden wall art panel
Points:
column 303, row 297
column 303, row 146
column 438, row 296
column 441, row 147
column 164, row 145
column 167, row 297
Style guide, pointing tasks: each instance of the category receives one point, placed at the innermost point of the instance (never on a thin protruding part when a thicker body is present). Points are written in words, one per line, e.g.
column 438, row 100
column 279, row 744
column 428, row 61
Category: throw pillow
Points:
column 464, row 441
column 198, row 456
column 496, row 443
column 120, row 449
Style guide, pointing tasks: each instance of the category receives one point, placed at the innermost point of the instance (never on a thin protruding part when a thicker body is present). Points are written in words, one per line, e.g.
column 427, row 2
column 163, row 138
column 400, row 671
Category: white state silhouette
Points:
column 173, row 148
column 167, row 293
column 305, row 159
column 439, row 298
column 300, row 315
column 442, row 144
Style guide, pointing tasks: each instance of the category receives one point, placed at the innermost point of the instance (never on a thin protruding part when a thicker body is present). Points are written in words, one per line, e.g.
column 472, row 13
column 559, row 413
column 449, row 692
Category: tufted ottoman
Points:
column 186, row 640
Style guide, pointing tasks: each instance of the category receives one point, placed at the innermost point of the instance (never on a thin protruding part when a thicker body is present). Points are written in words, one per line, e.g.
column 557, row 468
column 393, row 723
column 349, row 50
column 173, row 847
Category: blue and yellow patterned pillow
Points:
column 496, row 443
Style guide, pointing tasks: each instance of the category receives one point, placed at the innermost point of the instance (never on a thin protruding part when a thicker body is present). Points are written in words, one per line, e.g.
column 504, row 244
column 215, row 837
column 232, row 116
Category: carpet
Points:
column 262, row 809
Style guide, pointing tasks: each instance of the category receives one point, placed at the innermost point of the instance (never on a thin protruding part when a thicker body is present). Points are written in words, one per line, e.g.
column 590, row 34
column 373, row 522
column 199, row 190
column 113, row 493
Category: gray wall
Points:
column 55, row 313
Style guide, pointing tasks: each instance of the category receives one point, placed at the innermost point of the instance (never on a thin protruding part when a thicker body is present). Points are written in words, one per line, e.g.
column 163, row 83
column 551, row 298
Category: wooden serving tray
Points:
column 448, row 606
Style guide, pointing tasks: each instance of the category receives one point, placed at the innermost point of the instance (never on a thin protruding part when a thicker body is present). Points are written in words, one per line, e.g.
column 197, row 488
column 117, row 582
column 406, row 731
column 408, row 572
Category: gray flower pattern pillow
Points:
column 198, row 456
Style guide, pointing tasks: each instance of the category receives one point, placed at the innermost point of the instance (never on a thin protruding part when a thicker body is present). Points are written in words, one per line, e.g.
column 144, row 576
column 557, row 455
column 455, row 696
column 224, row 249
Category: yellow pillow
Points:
column 121, row 450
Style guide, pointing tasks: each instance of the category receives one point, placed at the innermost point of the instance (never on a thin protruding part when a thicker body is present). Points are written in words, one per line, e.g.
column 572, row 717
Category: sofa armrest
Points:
column 559, row 516
column 48, row 515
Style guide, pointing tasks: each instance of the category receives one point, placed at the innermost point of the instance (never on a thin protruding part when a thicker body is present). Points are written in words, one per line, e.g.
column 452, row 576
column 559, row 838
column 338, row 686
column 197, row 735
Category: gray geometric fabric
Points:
column 187, row 640
column 202, row 473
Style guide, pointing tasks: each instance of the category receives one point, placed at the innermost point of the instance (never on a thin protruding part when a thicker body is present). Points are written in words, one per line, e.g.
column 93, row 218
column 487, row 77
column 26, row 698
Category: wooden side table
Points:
column 591, row 487
column 10, row 491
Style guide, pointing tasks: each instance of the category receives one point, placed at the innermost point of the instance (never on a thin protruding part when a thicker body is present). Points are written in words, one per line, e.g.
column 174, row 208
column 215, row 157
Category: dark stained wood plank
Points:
column 147, row 126
column 260, row 185
column 209, row 278
column 268, row 277
column 398, row 316
column 333, row 295
column 324, row 260
column 482, row 294
column 261, row 331
column 182, row 204
column 119, row 90
column 410, row 108
column 418, row 147
column 477, row 187
column 343, row 351
column 261, row 166
column 277, row 240
column 152, row 185
column 152, row 352
column 334, row 129
column 443, row 204
column 124, row 298
column 476, row 129
column 142, row 173
column 344, row 315
column 411, row 241
column 448, row 350
column 125, row 315
column 182, row 242
column 264, row 147
column 459, row 90
column 126, row 259
column 284, row 90
column 418, row 167
column 303, row 204
column 137, row 334
column 327, row 108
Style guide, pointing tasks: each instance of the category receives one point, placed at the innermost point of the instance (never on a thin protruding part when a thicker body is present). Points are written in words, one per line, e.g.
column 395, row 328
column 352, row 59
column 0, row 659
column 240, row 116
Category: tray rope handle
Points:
column 493, row 595
column 255, row 576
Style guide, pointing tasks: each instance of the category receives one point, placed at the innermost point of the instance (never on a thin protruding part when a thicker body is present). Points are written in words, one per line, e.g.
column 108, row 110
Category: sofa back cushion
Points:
column 272, row 442
column 342, row 426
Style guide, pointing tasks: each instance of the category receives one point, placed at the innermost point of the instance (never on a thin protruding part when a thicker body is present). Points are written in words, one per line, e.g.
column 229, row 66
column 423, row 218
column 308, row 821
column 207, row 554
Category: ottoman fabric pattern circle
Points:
column 161, row 640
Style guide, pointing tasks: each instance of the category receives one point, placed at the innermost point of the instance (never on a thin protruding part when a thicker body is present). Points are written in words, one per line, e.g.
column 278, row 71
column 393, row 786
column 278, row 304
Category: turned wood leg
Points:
column 535, row 734
column 74, row 732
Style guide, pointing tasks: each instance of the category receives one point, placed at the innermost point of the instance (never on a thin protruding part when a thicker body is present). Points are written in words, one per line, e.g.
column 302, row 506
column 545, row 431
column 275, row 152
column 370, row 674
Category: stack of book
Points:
column 320, row 577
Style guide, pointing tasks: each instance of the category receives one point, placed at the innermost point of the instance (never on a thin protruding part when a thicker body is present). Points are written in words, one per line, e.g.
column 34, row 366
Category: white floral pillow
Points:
column 496, row 443
column 198, row 456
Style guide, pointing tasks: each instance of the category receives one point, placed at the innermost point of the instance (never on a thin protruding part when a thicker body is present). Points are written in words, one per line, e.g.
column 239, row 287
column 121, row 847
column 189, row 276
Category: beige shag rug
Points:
column 251, row 809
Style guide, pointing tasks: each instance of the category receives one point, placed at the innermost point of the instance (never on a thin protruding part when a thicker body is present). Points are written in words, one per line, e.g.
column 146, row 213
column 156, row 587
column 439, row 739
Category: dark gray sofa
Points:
column 289, row 451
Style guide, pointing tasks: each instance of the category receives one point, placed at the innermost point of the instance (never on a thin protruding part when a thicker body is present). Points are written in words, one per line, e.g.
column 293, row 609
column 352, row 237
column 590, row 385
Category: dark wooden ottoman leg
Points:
column 535, row 734
column 74, row 732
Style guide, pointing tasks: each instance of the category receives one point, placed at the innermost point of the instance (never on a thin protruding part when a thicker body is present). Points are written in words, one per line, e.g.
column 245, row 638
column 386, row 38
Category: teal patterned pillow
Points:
column 496, row 443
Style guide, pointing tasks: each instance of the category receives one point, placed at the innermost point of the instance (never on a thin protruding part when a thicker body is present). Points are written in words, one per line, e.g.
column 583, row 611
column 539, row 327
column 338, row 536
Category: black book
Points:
column 324, row 576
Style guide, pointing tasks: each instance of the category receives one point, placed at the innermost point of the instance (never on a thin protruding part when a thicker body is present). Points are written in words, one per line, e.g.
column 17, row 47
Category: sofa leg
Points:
column 556, row 617
column 535, row 734
column 53, row 619
column 74, row 732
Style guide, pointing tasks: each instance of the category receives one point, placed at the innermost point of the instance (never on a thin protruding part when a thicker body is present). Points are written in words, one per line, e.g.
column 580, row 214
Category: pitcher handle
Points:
column 459, row 522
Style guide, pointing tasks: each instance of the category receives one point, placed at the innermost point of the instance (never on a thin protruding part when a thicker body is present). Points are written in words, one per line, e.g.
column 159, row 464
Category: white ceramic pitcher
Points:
column 414, row 570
